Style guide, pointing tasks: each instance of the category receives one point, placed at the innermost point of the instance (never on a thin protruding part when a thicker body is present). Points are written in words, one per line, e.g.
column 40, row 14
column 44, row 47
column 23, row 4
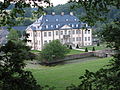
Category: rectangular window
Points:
column 45, row 34
column 49, row 33
column 88, row 31
column 61, row 40
column 85, row 38
column 45, row 41
column 88, row 38
column 77, row 32
column 61, row 32
column 85, row 31
column 73, row 31
column 73, row 39
column 39, row 34
column 79, row 38
column 39, row 42
column 65, row 32
column 69, row 32
column 56, row 32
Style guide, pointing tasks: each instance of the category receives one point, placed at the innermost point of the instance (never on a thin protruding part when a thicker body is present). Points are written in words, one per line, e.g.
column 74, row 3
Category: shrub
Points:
column 70, row 47
column 93, row 49
column 53, row 51
column 98, row 44
column 86, row 50
column 77, row 46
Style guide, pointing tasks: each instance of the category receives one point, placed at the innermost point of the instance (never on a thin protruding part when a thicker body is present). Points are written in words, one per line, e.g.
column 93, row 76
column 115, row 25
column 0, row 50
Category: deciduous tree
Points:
column 105, row 78
column 53, row 51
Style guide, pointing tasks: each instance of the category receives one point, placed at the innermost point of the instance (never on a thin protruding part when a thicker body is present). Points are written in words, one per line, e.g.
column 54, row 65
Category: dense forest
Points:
column 66, row 8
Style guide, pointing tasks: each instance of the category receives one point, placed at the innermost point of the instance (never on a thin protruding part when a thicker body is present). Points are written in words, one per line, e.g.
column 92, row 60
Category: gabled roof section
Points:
column 66, row 27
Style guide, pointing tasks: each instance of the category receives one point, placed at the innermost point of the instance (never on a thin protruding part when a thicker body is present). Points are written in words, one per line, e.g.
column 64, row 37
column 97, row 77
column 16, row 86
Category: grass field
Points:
column 72, row 51
column 96, row 47
column 63, row 75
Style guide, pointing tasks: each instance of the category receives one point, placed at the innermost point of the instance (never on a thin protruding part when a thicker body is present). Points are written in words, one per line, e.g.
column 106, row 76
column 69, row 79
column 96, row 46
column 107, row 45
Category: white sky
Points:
column 56, row 2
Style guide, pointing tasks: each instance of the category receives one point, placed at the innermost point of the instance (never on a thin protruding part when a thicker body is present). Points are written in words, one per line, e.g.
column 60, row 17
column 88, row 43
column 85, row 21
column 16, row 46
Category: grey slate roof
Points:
column 55, row 22
column 19, row 28
column 3, row 34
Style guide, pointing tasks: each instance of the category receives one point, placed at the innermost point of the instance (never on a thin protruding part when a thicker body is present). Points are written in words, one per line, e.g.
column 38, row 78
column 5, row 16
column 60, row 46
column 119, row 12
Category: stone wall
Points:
column 81, row 55
column 71, row 57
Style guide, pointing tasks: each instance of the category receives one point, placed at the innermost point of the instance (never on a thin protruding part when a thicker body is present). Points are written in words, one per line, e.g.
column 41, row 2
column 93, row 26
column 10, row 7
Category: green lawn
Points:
column 101, row 47
column 72, row 51
column 63, row 75
column 35, row 51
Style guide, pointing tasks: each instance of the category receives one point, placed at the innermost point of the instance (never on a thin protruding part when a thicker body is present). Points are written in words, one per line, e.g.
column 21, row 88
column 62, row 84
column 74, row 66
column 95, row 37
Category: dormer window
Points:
column 66, row 19
column 86, row 25
column 46, row 19
column 76, row 25
column 51, row 26
column 46, row 26
column 72, row 25
column 56, row 19
column 56, row 26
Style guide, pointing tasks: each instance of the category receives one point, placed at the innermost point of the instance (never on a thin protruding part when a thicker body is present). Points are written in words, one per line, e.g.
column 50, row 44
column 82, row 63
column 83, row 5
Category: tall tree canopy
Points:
column 105, row 78
column 53, row 51
column 13, row 54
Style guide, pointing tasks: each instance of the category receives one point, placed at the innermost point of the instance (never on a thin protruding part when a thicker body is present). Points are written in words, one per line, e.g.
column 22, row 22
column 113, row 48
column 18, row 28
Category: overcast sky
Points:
column 56, row 2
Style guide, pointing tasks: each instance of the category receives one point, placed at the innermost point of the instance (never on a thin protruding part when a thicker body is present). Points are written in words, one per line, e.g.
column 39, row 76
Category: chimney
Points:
column 71, row 13
column 62, row 13
column 53, row 13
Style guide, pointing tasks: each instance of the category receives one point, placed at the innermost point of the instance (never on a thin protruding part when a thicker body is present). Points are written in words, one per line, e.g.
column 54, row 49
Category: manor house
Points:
column 67, row 28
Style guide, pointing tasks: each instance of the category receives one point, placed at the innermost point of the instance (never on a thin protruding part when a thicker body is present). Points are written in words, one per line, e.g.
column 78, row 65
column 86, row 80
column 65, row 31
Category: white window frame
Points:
column 46, row 26
column 45, row 34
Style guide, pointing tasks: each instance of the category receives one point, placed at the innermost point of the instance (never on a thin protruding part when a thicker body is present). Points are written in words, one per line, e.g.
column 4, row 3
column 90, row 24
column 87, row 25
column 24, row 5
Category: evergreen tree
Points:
column 86, row 50
column 70, row 47
column 93, row 49
column 13, row 35
column 77, row 46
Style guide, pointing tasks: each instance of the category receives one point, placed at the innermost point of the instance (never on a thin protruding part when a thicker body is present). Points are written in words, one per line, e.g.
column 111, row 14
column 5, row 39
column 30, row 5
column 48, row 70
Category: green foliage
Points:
column 110, row 34
column 77, row 46
column 53, row 51
column 93, row 49
column 86, row 50
column 13, row 35
column 12, row 73
column 20, row 9
column 98, row 44
column 12, row 55
column 106, row 79
column 26, row 22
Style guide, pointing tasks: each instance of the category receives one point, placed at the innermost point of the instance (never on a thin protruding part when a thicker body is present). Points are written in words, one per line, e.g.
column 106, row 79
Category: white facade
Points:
column 66, row 34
